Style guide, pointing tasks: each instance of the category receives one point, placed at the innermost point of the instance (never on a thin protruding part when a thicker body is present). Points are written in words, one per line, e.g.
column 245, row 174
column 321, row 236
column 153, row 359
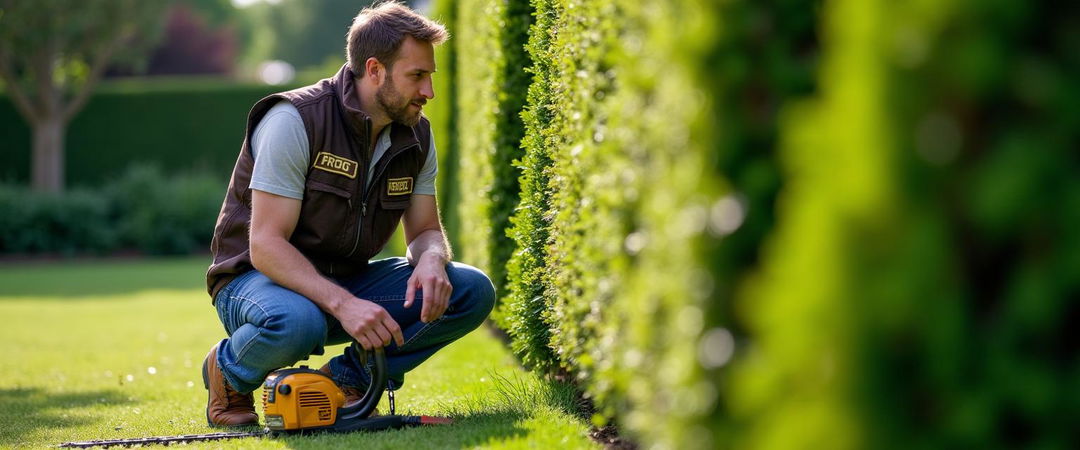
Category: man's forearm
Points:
column 432, row 243
column 285, row 265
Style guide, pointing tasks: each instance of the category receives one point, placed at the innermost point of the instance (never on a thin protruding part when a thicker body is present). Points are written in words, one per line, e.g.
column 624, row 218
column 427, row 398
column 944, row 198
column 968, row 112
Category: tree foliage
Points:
column 52, row 54
column 301, row 32
column 193, row 45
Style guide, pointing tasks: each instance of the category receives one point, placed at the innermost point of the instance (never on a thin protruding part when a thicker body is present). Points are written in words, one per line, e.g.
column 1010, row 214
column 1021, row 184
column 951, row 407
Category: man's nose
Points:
column 427, row 90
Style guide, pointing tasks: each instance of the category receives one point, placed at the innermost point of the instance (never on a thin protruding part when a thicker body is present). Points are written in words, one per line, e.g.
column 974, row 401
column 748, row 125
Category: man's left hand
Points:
column 430, row 276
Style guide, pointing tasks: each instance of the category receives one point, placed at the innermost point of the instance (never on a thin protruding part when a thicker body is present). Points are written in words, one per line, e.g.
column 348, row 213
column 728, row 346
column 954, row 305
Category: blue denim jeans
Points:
column 271, row 327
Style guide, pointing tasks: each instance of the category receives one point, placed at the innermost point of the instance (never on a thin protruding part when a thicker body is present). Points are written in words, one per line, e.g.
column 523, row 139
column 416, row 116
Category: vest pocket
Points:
column 326, row 224
column 323, row 187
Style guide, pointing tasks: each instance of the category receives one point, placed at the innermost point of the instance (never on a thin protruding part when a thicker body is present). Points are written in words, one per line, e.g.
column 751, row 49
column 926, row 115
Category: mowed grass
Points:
column 105, row 350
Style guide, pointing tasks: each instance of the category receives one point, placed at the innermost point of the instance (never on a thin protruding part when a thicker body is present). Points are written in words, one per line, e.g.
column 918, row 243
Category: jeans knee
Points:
column 299, row 332
column 479, row 292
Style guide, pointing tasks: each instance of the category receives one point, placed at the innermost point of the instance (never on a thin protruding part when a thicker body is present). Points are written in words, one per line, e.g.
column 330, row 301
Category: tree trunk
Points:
column 48, row 162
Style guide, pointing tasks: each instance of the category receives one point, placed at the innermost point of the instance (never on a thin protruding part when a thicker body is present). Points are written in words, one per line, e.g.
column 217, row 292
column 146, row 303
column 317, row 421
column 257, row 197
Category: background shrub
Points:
column 166, row 215
column 144, row 210
column 178, row 125
column 75, row 222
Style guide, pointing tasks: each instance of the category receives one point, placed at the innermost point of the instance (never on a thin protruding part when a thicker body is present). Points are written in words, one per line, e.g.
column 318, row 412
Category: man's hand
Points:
column 368, row 323
column 430, row 275
column 428, row 253
column 273, row 219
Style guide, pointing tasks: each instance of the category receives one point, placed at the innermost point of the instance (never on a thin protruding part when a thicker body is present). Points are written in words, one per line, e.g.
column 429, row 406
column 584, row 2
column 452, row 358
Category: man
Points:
column 325, row 174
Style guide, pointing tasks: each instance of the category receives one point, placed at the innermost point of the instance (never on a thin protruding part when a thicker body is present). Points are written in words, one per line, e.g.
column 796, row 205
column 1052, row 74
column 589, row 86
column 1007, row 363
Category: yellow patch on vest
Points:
column 336, row 164
column 399, row 186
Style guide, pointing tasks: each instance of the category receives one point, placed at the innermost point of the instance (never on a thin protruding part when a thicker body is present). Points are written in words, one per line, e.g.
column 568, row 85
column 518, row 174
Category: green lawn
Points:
column 102, row 350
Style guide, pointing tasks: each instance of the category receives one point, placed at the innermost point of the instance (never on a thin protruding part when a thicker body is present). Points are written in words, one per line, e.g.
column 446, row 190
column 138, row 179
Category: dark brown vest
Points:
column 342, row 224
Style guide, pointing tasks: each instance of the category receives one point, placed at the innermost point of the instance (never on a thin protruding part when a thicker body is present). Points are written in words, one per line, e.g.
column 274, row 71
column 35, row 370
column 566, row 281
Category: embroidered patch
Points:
column 335, row 164
column 399, row 186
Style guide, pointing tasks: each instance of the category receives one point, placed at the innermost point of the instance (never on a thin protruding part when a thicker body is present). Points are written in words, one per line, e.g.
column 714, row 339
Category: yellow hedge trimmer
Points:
column 302, row 400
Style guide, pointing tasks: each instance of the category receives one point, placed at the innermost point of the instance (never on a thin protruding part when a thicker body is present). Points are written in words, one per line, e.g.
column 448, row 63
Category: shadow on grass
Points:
column 470, row 430
column 24, row 410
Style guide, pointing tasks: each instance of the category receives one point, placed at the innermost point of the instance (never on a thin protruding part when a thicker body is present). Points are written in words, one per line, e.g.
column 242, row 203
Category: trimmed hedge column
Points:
column 522, row 312
column 443, row 117
column 490, row 82
column 631, row 244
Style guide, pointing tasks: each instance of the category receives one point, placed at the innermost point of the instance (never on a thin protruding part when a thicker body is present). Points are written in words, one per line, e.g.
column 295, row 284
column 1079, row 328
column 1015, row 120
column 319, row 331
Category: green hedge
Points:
column 840, row 224
column 143, row 210
column 443, row 117
column 521, row 313
column 181, row 126
column 607, row 124
column 490, row 94
column 936, row 172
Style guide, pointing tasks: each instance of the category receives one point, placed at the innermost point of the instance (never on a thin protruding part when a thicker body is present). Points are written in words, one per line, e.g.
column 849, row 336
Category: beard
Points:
column 396, row 105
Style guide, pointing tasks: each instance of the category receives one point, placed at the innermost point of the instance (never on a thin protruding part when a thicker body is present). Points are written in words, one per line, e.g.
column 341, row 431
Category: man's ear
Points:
column 374, row 69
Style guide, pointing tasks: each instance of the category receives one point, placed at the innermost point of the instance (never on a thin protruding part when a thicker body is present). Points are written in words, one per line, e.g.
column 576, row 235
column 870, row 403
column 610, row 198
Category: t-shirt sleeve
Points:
column 280, row 148
column 425, row 180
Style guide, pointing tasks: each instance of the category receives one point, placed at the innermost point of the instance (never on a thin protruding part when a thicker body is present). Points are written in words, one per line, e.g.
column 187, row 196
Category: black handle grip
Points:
column 375, row 388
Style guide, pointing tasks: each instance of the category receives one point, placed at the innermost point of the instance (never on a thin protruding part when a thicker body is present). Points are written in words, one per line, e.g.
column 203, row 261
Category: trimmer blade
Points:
column 432, row 420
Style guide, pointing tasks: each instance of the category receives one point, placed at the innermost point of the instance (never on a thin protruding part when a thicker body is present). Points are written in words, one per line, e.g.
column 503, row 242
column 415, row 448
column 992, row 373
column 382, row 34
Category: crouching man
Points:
column 325, row 174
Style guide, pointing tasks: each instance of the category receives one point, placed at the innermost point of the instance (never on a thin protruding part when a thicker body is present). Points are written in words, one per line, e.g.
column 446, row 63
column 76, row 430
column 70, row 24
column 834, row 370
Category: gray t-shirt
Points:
column 280, row 148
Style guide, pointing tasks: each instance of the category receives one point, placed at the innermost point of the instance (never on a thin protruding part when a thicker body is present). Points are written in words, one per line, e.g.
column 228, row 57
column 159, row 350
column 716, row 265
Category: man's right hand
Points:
column 273, row 219
column 368, row 323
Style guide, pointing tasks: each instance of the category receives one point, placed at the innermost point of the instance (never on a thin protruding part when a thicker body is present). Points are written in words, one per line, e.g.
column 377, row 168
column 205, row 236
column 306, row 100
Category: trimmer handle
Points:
column 373, row 394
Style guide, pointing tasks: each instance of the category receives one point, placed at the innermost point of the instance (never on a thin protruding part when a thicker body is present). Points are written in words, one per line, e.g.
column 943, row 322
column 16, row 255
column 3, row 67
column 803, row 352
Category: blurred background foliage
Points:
column 778, row 224
column 177, row 105
column 143, row 209
column 180, row 124
column 205, row 57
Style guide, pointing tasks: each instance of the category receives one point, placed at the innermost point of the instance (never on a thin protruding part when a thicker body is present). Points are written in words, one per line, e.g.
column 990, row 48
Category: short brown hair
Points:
column 380, row 29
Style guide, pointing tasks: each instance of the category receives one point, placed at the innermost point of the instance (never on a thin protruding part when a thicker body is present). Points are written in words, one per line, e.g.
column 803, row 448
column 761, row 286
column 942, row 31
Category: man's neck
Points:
column 368, row 104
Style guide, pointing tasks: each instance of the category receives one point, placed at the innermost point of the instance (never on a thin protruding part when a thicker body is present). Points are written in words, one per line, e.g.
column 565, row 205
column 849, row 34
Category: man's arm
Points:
column 273, row 219
column 428, row 252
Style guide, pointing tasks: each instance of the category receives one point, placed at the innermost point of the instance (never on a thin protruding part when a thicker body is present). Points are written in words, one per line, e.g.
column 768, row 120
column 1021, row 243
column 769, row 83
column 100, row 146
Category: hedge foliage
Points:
column 444, row 128
column 936, row 170
column 143, row 210
column 180, row 126
column 839, row 224
column 490, row 96
column 626, row 151
column 521, row 312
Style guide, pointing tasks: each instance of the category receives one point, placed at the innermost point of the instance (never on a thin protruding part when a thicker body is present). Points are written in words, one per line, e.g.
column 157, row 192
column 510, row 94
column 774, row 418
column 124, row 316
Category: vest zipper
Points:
column 384, row 162
column 363, row 190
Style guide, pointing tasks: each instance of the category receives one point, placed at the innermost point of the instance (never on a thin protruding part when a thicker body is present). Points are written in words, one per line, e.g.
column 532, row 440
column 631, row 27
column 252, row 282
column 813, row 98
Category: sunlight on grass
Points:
column 127, row 365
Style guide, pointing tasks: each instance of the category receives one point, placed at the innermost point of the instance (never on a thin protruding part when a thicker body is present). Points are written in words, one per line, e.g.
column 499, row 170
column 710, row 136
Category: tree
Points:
column 52, row 55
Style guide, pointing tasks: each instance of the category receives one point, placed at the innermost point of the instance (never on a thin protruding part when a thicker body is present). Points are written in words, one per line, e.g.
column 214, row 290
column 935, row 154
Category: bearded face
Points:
column 398, row 107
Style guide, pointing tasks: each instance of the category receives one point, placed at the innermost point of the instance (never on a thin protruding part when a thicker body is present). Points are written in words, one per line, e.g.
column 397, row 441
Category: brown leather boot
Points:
column 352, row 395
column 225, row 407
